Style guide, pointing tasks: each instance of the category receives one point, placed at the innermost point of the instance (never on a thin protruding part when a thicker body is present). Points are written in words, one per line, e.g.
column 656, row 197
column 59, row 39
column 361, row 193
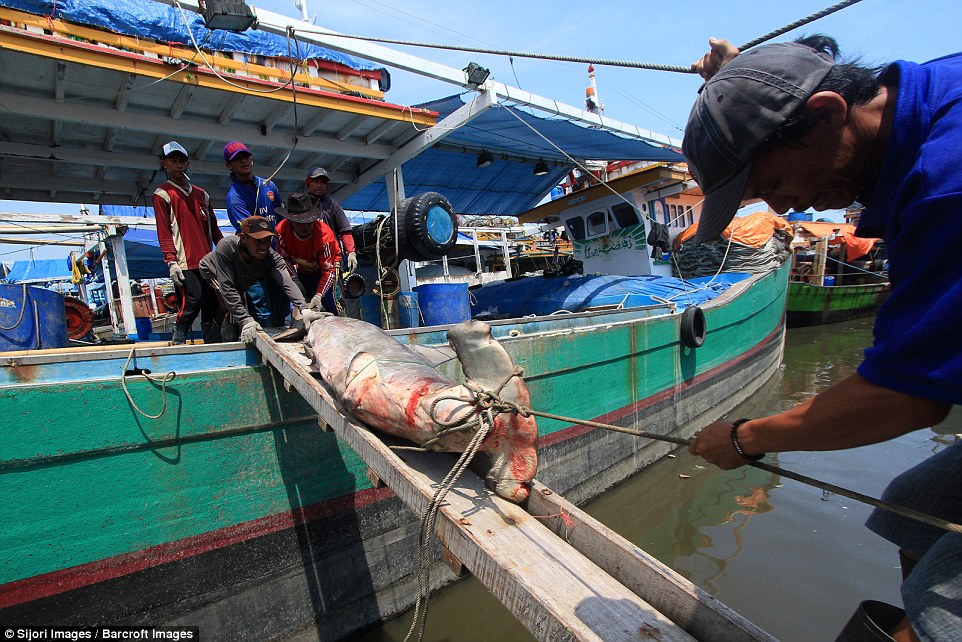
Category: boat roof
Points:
column 90, row 107
column 651, row 178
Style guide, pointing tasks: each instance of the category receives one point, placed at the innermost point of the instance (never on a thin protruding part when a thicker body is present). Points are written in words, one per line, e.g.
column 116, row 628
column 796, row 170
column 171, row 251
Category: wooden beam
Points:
column 691, row 608
column 23, row 105
column 555, row 591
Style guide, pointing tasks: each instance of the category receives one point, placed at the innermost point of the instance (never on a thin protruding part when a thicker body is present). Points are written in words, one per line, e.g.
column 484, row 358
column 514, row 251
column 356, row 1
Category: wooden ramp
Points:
column 562, row 581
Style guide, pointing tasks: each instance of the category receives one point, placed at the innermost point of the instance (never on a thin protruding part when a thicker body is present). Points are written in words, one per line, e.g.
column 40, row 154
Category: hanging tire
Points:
column 693, row 327
column 427, row 227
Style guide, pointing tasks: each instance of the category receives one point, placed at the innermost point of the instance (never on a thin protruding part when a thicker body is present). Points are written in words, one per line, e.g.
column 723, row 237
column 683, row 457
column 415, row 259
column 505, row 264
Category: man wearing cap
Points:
column 311, row 249
column 786, row 124
column 239, row 262
column 187, row 230
column 251, row 195
column 318, row 182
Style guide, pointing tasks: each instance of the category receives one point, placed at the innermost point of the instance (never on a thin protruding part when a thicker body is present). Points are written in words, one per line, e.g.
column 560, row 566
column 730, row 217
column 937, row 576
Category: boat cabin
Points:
column 626, row 226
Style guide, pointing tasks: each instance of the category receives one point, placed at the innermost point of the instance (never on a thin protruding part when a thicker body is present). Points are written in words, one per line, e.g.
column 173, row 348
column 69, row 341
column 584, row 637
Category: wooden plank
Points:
column 691, row 608
column 554, row 591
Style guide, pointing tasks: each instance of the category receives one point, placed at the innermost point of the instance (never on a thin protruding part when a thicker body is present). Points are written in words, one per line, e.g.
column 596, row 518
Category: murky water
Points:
column 793, row 559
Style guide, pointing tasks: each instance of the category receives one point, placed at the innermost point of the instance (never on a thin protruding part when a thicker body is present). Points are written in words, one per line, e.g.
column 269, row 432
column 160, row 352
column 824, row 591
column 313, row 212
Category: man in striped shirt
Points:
column 187, row 230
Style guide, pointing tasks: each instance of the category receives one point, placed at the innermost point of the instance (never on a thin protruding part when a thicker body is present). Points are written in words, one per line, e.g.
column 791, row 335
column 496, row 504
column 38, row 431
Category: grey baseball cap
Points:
column 738, row 110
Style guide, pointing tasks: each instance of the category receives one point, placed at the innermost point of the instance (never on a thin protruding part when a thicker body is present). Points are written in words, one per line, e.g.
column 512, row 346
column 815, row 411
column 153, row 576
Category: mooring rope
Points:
column 582, row 59
column 161, row 380
column 492, row 401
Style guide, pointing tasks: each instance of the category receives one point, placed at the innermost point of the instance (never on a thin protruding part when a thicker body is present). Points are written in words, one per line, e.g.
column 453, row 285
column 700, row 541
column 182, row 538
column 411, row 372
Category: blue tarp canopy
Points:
column 541, row 296
column 161, row 22
column 507, row 186
column 39, row 271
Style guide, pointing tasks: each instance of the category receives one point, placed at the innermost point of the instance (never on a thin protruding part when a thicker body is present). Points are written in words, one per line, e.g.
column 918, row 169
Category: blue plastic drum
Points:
column 408, row 312
column 444, row 303
column 31, row 318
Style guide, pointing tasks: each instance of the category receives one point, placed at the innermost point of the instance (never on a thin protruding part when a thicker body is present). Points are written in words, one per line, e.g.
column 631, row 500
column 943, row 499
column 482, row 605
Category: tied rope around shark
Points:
column 491, row 403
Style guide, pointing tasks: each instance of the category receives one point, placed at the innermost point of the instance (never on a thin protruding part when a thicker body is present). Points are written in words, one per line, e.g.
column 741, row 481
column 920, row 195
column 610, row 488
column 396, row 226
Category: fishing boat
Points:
column 190, row 485
column 836, row 276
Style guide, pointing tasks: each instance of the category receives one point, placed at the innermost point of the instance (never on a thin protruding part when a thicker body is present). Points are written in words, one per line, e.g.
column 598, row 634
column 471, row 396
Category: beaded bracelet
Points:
column 738, row 446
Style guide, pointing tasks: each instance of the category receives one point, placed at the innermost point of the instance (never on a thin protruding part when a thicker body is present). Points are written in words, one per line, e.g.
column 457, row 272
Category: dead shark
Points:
column 390, row 387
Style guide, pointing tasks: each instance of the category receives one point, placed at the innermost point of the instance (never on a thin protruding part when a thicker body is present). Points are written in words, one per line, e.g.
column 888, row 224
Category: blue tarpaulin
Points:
column 161, row 22
column 39, row 271
column 505, row 187
column 541, row 296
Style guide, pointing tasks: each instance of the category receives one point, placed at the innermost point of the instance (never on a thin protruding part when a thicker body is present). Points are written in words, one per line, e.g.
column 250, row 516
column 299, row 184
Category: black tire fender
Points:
column 427, row 227
column 693, row 327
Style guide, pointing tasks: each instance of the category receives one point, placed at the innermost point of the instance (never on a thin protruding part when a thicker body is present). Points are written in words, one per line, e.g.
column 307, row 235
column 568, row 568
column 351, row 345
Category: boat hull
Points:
column 818, row 305
column 236, row 513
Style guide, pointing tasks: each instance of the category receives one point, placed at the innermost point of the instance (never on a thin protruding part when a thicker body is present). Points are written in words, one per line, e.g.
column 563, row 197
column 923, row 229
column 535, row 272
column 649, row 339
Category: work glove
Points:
column 249, row 331
column 317, row 303
column 352, row 261
column 176, row 274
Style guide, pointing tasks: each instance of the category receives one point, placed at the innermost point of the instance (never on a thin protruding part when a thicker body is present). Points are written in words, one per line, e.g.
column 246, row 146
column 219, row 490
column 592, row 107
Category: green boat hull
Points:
column 234, row 512
column 817, row 305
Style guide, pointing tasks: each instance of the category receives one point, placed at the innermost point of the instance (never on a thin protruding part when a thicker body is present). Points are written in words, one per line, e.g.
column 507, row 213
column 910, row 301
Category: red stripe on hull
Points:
column 610, row 417
column 40, row 586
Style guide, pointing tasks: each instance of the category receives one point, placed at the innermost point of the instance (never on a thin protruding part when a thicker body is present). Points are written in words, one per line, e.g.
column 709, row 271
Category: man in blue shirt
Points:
column 251, row 195
column 787, row 124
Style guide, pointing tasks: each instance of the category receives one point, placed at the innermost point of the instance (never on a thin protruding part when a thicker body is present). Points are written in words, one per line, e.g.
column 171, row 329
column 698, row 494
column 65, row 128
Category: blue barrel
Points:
column 828, row 281
column 143, row 328
column 408, row 313
column 444, row 303
column 31, row 319
column 371, row 309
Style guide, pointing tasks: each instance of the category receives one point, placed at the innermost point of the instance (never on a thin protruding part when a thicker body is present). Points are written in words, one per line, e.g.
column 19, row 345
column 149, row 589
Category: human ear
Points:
column 830, row 107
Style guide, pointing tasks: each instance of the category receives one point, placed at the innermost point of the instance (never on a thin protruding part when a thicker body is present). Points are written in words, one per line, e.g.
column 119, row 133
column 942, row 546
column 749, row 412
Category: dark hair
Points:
column 854, row 82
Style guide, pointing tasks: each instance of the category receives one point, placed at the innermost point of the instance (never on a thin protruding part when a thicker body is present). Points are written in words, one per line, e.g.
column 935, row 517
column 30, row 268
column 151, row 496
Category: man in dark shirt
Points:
column 239, row 262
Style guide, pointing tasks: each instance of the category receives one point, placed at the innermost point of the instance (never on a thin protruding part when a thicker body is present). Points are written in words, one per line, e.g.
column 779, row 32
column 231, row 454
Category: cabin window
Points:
column 576, row 227
column 657, row 207
column 625, row 215
column 669, row 214
column 691, row 216
column 598, row 223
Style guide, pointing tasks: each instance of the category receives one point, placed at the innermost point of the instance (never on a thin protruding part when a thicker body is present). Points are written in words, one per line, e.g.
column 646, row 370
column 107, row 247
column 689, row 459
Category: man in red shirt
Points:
column 311, row 249
column 187, row 230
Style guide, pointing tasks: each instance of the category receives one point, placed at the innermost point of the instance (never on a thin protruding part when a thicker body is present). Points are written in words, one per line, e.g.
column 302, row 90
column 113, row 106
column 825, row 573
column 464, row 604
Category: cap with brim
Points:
column 173, row 147
column 736, row 111
column 300, row 209
column 233, row 149
column 318, row 172
column 726, row 198
column 257, row 227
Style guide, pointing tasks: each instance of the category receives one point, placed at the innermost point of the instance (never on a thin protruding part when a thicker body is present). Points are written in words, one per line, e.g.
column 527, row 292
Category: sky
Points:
column 668, row 33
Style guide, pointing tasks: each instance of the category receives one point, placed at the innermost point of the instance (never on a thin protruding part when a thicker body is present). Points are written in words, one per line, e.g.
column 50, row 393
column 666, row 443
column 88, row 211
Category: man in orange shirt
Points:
column 311, row 249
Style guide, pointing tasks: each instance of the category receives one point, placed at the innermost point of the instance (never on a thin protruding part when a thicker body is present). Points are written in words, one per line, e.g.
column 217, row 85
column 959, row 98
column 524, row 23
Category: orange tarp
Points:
column 854, row 246
column 754, row 229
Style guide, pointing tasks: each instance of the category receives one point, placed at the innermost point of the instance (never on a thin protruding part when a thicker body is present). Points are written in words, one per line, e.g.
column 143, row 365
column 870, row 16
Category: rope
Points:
column 161, row 380
column 811, row 481
column 23, row 307
column 798, row 23
column 494, row 403
column 595, row 61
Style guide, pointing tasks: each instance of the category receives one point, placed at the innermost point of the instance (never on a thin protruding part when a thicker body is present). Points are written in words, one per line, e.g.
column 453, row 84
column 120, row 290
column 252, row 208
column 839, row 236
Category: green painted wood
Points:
column 803, row 297
column 100, row 506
